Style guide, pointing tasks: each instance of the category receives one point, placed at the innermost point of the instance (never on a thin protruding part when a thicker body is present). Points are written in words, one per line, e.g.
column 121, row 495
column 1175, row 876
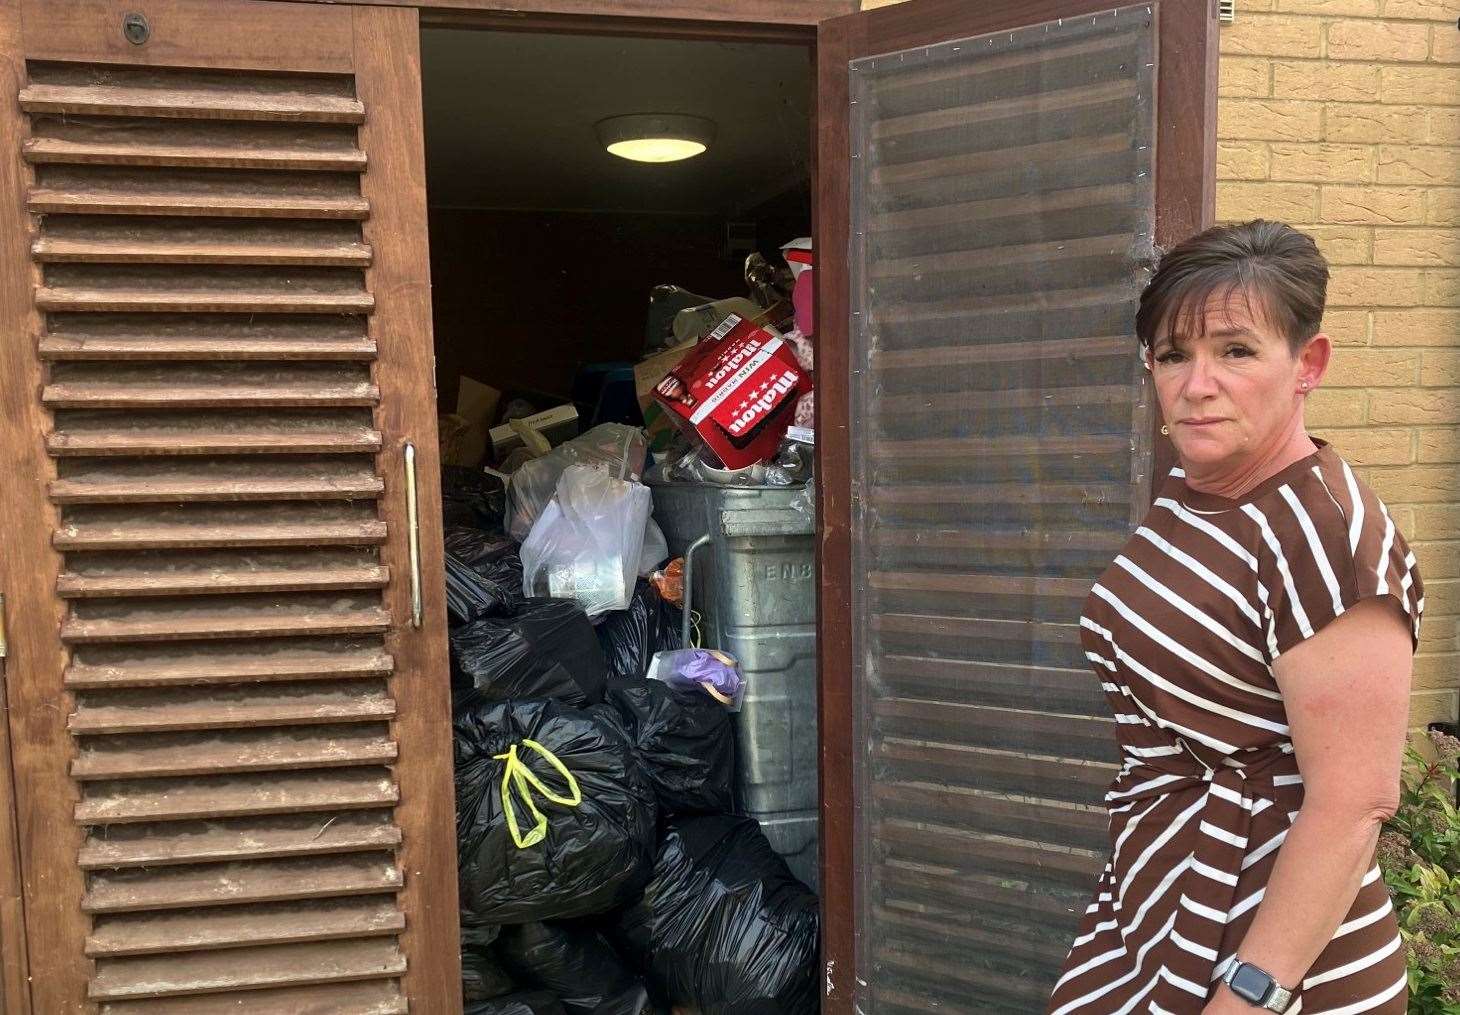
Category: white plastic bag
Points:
column 656, row 548
column 617, row 449
column 587, row 542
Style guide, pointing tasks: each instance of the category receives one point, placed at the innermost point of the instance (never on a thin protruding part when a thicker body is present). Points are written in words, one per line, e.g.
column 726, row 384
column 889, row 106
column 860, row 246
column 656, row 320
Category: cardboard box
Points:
column 557, row 424
column 736, row 392
column 464, row 433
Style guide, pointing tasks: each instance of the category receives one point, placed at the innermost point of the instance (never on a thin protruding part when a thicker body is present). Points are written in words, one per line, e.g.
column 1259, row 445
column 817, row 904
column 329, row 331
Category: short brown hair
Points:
column 1271, row 261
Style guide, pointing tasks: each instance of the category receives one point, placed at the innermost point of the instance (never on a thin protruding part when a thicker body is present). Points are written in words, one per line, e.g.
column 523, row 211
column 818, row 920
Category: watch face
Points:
column 1251, row 984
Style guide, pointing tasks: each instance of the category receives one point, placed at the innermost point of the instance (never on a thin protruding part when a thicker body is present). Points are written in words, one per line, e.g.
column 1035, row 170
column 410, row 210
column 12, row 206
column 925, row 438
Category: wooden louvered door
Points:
column 231, row 739
column 992, row 181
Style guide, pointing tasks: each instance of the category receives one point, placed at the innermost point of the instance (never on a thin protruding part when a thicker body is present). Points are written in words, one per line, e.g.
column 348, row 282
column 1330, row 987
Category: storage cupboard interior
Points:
column 245, row 268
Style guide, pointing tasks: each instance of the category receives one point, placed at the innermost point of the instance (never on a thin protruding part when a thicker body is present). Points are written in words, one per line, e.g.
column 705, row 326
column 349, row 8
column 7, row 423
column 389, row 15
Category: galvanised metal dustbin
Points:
column 755, row 589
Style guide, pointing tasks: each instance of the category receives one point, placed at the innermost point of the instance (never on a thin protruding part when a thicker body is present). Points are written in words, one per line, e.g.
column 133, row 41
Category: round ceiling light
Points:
column 656, row 137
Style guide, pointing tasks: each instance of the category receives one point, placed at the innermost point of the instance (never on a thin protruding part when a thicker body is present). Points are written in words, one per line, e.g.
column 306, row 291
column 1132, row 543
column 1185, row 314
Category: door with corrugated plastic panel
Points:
column 993, row 182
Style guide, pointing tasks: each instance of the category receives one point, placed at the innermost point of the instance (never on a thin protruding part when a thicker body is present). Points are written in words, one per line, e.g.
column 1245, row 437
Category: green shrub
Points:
column 1419, row 853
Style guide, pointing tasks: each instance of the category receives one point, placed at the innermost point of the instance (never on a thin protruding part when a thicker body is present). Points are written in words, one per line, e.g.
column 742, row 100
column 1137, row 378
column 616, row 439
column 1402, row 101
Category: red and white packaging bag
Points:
column 736, row 392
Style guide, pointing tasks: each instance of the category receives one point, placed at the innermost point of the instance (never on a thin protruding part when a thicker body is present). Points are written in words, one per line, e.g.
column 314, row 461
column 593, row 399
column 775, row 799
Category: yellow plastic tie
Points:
column 516, row 776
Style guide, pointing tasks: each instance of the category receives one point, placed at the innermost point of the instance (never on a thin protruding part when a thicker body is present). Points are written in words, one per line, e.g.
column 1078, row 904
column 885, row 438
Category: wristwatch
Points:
column 1257, row 987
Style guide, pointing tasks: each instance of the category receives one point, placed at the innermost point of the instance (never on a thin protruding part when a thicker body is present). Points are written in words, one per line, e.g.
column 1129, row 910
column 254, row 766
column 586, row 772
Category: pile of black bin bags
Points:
column 601, row 871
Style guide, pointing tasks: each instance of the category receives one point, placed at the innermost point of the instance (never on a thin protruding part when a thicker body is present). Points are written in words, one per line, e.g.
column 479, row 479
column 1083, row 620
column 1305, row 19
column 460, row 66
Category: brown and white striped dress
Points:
column 1183, row 630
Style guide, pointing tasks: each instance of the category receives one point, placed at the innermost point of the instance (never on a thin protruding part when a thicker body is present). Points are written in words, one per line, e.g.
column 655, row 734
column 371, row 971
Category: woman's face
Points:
column 1231, row 389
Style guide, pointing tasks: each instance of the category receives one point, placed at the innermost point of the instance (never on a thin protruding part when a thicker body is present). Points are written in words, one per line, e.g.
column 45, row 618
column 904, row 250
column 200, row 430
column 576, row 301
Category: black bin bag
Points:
column 572, row 831
column 546, row 650
column 482, row 976
column 576, row 965
column 527, row 1002
column 630, row 638
column 472, row 498
column 686, row 743
column 723, row 926
column 480, row 549
column 479, row 587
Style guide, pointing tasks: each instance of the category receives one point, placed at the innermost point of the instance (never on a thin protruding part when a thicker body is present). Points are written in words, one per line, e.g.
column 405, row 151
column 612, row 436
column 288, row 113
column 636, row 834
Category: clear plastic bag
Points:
column 587, row 543
column 617, row 449
column 656, row 549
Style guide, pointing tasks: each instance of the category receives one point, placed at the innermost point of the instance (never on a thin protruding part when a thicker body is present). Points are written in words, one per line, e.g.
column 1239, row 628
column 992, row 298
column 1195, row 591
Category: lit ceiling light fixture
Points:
column 656, row 137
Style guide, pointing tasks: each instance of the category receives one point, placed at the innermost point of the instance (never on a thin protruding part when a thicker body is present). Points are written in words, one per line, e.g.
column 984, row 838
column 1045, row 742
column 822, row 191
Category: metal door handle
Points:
column 413, row 522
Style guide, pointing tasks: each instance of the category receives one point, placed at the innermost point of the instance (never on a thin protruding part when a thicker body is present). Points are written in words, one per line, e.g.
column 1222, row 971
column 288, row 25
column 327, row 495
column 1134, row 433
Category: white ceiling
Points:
column 509, row 121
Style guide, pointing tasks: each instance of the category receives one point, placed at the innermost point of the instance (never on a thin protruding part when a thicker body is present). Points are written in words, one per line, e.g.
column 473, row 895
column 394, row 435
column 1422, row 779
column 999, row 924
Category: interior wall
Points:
column 522, row 299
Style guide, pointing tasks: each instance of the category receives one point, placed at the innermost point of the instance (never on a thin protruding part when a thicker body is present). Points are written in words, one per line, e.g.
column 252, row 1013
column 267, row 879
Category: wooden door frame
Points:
column 775, row 21
column 1185, row 199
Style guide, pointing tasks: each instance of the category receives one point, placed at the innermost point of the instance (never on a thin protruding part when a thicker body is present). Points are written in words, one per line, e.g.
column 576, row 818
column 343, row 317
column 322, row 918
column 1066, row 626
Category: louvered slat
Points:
column 223, row 481
column 958, row 977
column 939, row 927
column 119, row 199
column 1051, row 252
column 230, row 338
column 189, row 438
column 120, row 251
column 1017, row 352
column 237, row 839
column 196, row 665
column 180, row 103
column 211, row 972
column 243, row 617
column 64, row 151
column 376, row 997
column 1051, row 822
column 191, row 143
column 134, row 386
column 983, row 682
column 963, row 761
column 219, row 582
column 233, row 927
column 208, row 708
column 970, row 892
column 1068, row 99
column 143, row 535
column 1040, row 863
column 172, row 301
column 231, row 752
column 991, row 447
column 235, row 796
column 104, row 395
column 240, row 883
column 963, row 165
column 974, row 629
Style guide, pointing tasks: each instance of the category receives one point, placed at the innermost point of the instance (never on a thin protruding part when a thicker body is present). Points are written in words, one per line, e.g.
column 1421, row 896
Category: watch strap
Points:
column 1279, row 999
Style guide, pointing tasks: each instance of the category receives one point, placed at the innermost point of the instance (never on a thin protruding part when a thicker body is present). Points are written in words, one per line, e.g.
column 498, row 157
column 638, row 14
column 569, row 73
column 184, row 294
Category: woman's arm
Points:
column 1346, row 690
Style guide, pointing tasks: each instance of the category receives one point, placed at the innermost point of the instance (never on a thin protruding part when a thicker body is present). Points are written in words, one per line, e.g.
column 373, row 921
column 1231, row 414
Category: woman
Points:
column 1254, row 638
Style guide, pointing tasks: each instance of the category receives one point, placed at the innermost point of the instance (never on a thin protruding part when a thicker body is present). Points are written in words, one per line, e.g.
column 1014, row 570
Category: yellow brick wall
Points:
column 1343, row 118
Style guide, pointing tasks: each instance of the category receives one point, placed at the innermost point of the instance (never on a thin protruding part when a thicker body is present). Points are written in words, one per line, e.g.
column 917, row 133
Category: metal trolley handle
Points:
column 685, row 623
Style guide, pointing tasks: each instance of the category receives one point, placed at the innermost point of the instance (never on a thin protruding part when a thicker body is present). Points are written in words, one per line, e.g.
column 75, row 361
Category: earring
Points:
column 1303, row 385
column 1165, row 430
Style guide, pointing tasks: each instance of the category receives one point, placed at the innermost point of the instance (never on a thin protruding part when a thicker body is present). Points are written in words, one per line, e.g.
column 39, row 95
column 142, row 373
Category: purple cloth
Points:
column 701, row 667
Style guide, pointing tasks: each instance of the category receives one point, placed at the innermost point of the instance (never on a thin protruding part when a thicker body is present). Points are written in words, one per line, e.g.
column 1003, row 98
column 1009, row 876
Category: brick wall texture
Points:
column 1342, row 117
